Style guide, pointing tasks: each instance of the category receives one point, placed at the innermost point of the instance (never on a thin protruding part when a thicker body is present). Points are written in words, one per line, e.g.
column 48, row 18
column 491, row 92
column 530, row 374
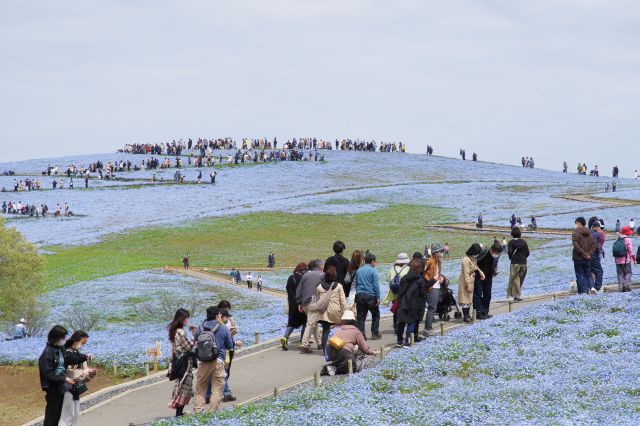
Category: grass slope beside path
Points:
column 246, row 240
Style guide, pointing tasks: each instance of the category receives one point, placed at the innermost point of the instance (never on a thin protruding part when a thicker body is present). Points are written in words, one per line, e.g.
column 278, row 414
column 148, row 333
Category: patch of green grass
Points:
column 246, row 240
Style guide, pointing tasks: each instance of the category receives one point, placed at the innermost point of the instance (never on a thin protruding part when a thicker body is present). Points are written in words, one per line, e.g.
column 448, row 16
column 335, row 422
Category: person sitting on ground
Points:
column 20, row 330
column 346, row 343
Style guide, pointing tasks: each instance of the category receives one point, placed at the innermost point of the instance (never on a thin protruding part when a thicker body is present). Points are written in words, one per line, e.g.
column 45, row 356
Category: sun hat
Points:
column 348, row 315
column 403, row 259
column 436, row 248
column 23, row 321
column 626, row 231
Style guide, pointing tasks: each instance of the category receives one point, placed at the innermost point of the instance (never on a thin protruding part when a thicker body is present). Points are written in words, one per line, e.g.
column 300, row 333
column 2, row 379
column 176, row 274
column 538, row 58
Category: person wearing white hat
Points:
column 20, row 330
column 345, row 343
column 397, row 271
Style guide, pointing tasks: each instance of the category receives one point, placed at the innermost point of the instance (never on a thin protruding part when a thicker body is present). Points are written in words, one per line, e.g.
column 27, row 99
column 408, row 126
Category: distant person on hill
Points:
column 584, row 246
column 618, row 226
column 474, row 157
column 368, row 296
column 614, row 185
column 632, row 225
column 504, row 244
column 296, row 319
column 518, row 252
column 488, row 264
column 213, row 175
column 479, row 223
column 305, row 294
column 565, row 167
column 468, row 270
column 346, row 343
column 185, row 262
column 259, row 283
column 271, row 260
column 596, row 267
column 513, row 221
column 623, row 254
column 249, row 279
column 235, row 276
column 446, row 251
column 341, row 264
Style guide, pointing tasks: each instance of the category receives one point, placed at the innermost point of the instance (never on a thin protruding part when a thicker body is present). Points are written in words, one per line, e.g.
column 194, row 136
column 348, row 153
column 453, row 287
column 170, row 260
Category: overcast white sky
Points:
column 558, row 80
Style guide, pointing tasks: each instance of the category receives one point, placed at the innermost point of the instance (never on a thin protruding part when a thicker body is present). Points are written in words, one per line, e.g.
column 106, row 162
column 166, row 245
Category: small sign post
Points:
column 155, row 353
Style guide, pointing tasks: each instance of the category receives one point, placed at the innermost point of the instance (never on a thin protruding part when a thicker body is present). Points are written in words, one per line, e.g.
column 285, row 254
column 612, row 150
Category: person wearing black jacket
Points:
column 341, row 264
column 488, row 264
column 518, row 252
column 412, row 300
column 52, row 365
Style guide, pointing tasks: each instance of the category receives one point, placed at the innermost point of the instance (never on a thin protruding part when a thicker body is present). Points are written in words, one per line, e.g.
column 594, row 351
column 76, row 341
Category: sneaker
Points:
column 417, row 339
column 331, row 370
column 406, row 344
column 376, row 336
column 399, row 345
column 593, row 291
column 517, row 299
column 481, row 317
column 229, row 398
column 431, row 333
column 306, row 350
column 487, row 316
column 284, row 343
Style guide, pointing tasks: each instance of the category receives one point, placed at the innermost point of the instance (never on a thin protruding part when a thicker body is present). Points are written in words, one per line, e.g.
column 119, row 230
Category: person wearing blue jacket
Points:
column 214, row 370
column 368, row 295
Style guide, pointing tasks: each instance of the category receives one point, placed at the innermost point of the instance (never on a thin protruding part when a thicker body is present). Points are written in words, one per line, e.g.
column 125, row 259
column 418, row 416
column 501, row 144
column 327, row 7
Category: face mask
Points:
column 496, row 256
column 60, row 342
column 78, row 347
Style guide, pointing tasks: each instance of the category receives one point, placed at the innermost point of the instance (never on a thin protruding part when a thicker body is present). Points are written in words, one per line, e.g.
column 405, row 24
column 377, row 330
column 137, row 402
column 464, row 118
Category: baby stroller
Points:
column 445, row 302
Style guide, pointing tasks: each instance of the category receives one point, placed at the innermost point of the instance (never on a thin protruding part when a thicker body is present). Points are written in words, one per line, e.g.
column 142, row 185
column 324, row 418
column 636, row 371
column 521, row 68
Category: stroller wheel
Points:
column 440, row 316
column 447, row 317
column 457, row 315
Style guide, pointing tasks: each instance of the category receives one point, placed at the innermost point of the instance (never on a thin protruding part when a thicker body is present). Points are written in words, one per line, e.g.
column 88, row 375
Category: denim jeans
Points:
column 366, row 303
column 400, row 331
column 432, row 303
column 584, row 279
column 596, row 269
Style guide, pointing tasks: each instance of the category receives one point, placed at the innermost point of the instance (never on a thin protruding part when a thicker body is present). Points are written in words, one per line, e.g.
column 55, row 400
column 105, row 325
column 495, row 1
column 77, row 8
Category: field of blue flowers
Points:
column 349, row 182
column 559, row 363
column 130, row 318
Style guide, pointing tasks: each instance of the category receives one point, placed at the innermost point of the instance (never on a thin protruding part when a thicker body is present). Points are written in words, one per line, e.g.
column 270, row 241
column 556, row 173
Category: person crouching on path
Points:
column 345, row 344
column 467, row 278
column 211, row 337
column 518, row 252
column 412, row 298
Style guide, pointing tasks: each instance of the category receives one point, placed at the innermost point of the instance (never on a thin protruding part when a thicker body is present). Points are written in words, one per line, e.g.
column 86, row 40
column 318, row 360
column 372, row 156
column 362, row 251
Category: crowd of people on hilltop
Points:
column 528, row 162
column 204, row 146
column 34, row 210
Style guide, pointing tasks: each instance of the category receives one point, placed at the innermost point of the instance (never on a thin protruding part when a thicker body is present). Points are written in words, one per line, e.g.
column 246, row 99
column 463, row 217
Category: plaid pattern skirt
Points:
column 183, row 389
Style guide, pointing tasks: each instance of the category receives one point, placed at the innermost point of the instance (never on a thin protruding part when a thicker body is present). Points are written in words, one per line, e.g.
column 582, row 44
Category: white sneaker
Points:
column 331, row 370
column 593, row 291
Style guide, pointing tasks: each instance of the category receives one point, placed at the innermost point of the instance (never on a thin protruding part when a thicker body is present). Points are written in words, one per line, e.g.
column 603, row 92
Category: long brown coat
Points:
column 467, row 278
column 337, row 304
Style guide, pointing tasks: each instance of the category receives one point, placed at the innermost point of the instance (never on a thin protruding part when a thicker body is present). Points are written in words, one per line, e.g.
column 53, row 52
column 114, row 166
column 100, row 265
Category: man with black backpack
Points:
column 213, row 340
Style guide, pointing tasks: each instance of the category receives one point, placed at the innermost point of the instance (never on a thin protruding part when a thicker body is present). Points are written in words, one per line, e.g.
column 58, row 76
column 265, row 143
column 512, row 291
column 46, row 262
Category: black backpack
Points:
column 206, row 346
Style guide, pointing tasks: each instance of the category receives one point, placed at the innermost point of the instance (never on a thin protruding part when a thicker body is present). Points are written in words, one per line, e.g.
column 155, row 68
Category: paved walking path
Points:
column 253, row 376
